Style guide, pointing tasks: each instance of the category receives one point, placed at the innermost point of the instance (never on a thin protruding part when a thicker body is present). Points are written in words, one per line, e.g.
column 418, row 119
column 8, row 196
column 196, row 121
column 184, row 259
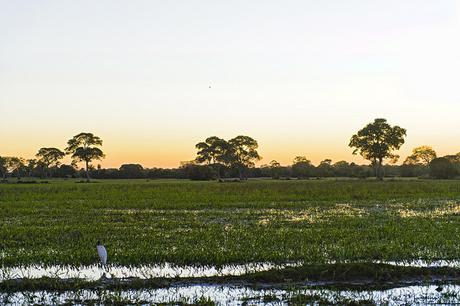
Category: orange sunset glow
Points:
column 301, row 84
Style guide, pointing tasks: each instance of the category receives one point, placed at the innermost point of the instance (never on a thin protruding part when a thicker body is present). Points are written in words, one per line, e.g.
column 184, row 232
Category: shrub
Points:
column 442, row 168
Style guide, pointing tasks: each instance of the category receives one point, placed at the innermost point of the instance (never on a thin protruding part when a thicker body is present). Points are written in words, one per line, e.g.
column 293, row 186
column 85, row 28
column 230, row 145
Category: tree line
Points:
column 376, row 142
column 218, row 158
column 83, row 147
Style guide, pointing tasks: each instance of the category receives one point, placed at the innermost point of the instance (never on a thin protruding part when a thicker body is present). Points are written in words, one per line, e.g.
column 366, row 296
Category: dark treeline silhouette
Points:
column 443, row 168
column 81, row 148
column 220, row 159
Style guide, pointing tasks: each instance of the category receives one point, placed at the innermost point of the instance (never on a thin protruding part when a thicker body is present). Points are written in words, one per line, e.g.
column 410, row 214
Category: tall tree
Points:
column 342, row 168
column 302, row 167
column 376, row 142
column 213, row 150
column 15, row 165
column 49, row 158
column 421, row 155
column 4, row 166
column 84, row 148
column 31, row 164
column 325, row 168
column 275, row 169
column 243, row 153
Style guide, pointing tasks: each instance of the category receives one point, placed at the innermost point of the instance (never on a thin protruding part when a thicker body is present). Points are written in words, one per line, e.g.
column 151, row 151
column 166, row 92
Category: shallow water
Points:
column 423, row 263
column 233, row 295
column 168, row 270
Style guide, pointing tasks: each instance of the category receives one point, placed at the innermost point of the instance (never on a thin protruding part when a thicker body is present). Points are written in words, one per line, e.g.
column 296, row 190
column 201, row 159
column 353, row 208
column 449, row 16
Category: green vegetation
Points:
column 183, row 222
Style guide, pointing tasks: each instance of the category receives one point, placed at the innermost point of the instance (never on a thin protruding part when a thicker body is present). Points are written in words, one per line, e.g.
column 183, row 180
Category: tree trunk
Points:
column 218, row 172
column 374, row 168
column 380, row 172
column 87, row 173
column 241, row 173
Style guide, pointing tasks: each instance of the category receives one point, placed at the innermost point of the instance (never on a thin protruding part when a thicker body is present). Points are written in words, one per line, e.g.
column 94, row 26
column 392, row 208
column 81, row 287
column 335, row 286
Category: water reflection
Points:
column 168, row 270
column 233, row 295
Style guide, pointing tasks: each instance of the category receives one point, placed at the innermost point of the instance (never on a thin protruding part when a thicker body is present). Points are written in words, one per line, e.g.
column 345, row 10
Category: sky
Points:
column 153, row 78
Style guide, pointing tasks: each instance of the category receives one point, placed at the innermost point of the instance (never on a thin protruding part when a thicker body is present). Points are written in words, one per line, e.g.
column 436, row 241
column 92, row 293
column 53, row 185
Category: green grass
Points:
column 183, row 222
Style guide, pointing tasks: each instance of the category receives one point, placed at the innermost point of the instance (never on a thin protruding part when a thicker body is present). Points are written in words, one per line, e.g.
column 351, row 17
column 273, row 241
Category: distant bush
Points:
column 199, row 172
column 303, row 169
column 443, row 168
column 417, row 170
column 130, row 171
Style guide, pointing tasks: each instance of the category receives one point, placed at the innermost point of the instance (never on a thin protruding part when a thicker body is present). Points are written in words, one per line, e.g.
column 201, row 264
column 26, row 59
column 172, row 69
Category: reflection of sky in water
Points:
column 222, row 294
column 231, row 295
column 152, row 271
column 171, row 271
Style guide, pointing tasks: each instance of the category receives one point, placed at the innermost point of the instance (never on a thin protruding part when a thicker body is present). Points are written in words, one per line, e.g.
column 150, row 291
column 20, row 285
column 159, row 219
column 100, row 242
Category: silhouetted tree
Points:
column 376, row 142
column 244, row 153
column 4, row 166
column 325, row 168
column 66, row 171
column 275, row 169
column 84, row 148
column 413, row 170
column 49, row 157
column 131, row 171
column 197, row 172
column 31, row 165
column 214, row 150
column 453, row 158
column 416, row 164
column 442, row 168
column 342, row 168
column 421, row 155
column 302, row 167
column 15, row 165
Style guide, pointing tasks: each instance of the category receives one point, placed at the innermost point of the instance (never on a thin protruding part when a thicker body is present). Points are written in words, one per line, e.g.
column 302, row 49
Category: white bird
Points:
column 102, row 252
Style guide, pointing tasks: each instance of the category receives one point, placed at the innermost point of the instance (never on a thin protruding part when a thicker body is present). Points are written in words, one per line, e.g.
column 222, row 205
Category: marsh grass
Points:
column 208, row 223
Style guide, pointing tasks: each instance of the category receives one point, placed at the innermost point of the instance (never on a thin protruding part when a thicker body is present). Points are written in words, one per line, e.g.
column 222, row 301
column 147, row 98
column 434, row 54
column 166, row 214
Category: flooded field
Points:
column 254, row 242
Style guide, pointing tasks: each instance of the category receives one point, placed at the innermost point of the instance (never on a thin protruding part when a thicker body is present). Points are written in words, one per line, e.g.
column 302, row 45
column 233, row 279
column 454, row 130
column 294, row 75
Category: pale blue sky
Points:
column 299, row 76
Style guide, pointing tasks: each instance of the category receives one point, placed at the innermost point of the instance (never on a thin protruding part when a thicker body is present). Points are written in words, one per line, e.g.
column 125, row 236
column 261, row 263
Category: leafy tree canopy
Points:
column 244, row 151
column 50, row 156
column 213, row 150
column 422, row 155
column 377, row 141
column 84, row 148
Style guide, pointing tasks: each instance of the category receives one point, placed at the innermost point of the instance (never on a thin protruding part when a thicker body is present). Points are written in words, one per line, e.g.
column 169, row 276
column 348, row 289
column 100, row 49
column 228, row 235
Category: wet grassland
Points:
column 330, row 230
